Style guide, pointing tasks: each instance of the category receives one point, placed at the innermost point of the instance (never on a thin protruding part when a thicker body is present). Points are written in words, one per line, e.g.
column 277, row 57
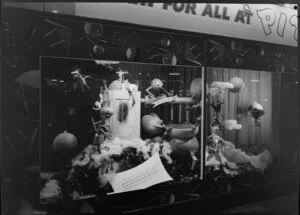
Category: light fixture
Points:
column 174, row 73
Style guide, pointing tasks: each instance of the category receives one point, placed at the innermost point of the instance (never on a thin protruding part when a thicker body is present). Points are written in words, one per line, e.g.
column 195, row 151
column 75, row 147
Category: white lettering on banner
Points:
column 164, row 100
column 267, row 17
column 261, row 22
column 294, row 23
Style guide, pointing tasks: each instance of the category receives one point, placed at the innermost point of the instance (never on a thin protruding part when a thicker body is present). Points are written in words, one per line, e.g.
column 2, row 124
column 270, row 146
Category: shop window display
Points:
column 103, row 118
column 106, row 120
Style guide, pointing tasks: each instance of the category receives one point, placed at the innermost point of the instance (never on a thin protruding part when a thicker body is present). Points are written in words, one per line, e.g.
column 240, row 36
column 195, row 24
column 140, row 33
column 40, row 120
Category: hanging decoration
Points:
column 64, row 142
column 237, row 83
column 153, row 125
column 80, row 80
column 157, row 86
column 256, row 111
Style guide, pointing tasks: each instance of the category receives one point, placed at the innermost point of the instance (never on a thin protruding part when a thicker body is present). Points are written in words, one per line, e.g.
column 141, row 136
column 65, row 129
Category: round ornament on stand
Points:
column 237, row 83
column 153, row 125
column 64, row 142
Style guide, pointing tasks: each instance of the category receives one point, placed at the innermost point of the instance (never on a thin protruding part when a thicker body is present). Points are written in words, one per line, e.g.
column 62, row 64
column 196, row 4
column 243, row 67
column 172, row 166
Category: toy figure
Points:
column 156, row 85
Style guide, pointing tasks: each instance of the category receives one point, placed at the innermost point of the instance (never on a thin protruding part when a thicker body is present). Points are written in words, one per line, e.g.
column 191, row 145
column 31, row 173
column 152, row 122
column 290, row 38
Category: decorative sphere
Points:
column 239, row 61
column 238, row 83
column 64, row 142
column 261, row 52
column 196, row 89
column 131, row 53
column 169, row 58
column 165, row 42
column 233, row 45
column 87, row 27
column 93, row 29
column 98, row 49
column 153, row 125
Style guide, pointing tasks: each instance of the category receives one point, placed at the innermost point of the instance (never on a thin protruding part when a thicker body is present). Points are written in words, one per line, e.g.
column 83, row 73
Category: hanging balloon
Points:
column 238, row 84
column 93, row 29
column 169, row 58
column 277, row 54
column 196, row 89
column 233, row 45
column 30, row 79
column 282, row 68
column 165, row 42
column 131, row 53
column 256, row 111
column 98, row 49
column 64, row 142
column 87, row 27
column 153, row 125
column 239, row 61
column 261, row 52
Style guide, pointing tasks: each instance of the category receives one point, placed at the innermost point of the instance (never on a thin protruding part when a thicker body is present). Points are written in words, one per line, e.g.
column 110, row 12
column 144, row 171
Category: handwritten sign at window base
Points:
column 147, row 174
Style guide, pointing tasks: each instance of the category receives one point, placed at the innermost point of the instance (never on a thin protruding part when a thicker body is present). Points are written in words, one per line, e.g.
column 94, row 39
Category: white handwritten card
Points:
column 147, row 174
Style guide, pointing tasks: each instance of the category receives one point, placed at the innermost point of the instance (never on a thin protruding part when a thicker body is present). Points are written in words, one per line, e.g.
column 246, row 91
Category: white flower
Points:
column 166, row 151
column 231, row 124
column 98, row 103
column 50, row 191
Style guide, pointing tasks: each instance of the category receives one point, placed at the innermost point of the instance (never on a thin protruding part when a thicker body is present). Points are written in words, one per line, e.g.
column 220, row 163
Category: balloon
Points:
column 30, row 79
column 153, row 125
column 238, row 84
column 131, row 53
column 98, row 49
column 93, row 29
column 64, row 142
column 196, row 89
column 239, row 61
column 256, row 110
column 169, row 58
column 261, row 52
column 233, row 45
column 165, row 42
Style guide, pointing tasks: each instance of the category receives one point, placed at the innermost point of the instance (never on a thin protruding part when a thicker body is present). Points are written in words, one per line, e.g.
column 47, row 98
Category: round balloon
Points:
column 131, row 53
column 196, row 89
column 64, row 142
column 153, row 125
column 93, row 29
column 256, row 110
column 169, row 58
column 98, row 49
column 238, row 84
column 165, row 42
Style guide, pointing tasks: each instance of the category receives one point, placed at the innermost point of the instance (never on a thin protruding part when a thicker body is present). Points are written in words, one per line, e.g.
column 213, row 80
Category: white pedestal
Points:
column 128, row 126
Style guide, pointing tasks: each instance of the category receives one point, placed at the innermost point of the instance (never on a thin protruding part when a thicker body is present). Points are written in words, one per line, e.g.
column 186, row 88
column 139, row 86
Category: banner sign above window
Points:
column 259, row 22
